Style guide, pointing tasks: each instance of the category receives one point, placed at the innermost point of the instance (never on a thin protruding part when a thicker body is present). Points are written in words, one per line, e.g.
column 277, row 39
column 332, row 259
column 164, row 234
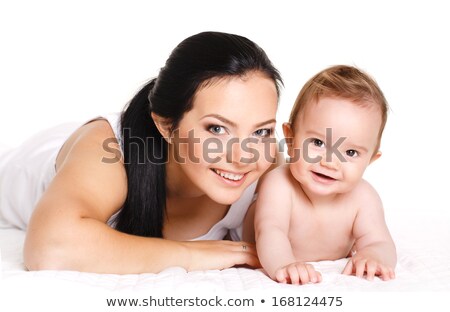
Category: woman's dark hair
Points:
column 191, row 64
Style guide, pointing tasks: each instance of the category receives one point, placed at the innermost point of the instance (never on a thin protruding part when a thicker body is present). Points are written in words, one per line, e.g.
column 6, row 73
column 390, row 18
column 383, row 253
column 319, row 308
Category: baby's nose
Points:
column 330, row 162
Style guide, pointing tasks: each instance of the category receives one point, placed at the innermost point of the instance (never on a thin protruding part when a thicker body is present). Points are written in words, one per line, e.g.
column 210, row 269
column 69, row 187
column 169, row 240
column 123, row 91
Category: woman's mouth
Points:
column 229, row 175
column 230, row 178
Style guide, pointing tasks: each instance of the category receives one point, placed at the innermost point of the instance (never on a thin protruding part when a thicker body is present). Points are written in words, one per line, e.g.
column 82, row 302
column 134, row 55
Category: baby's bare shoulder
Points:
column 365, row 190
column 365, row 197
column 277, row 182
column 280, row 174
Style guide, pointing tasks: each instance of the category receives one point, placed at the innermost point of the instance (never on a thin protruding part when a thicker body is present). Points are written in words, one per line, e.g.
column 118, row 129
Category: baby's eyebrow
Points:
column 357, row 147
column 233, row 124
column 321, row 136
column 360, row 148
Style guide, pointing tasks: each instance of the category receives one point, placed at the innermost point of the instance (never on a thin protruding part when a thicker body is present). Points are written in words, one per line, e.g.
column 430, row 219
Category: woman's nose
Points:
column 239, row 152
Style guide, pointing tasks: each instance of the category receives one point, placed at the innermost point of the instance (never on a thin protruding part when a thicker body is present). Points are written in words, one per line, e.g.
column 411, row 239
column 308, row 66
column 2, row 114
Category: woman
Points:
column 161, row 184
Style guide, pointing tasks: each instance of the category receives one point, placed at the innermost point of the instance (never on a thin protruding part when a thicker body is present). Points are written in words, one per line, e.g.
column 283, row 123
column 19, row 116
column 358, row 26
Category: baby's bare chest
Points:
column 321, row 235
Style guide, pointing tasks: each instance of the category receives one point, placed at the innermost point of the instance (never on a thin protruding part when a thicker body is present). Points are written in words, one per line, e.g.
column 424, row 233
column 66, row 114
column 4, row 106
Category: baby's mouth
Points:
column 323, row 176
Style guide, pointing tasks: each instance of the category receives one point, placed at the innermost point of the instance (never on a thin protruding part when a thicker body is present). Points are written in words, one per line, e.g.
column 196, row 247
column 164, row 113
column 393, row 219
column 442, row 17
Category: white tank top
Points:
column 26, row 172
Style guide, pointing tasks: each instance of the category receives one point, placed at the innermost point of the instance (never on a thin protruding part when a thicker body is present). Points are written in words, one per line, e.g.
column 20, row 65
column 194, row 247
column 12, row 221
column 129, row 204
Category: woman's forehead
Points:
column 251, row 94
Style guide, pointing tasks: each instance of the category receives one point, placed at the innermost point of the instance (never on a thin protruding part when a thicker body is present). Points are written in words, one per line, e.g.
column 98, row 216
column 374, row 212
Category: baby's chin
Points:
column 318, row 190
column 326, row 191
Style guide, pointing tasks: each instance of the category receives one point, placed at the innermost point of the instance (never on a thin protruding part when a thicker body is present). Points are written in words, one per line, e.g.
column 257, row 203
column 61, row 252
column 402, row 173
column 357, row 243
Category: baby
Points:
column 318, row 207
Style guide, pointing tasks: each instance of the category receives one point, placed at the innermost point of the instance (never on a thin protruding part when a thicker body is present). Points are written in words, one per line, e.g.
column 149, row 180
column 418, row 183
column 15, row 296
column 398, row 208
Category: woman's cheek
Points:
column 267, row 154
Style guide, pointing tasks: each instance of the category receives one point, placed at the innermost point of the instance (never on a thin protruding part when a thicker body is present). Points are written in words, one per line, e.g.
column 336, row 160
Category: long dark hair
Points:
column 193, row 62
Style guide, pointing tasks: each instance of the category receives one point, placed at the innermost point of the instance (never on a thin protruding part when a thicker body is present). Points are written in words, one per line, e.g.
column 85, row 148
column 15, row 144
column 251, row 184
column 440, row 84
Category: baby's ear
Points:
column 164, row 126
column 375, row 156
column 288, row 136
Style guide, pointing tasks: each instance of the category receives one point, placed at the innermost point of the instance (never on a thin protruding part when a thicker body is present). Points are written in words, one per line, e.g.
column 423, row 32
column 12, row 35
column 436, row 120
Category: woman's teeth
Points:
column 229, row 176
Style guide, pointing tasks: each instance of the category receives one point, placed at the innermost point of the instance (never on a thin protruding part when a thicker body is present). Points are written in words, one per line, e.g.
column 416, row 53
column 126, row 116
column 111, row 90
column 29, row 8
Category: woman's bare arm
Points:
column 68, row 228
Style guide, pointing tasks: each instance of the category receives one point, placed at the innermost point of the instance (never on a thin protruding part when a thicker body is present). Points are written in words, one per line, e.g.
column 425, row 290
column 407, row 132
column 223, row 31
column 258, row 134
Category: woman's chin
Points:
column 225, row 198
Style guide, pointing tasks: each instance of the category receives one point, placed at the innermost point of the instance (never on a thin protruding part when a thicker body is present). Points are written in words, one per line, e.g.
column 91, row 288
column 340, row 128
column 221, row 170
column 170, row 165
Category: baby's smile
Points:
column 322, row 178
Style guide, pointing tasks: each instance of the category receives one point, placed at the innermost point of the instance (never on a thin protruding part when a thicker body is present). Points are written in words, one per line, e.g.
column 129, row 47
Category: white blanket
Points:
column 423, row 265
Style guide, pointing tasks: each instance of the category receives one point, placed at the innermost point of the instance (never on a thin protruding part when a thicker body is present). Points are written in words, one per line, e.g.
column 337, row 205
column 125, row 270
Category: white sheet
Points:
column 423, row 245
column 423, row 265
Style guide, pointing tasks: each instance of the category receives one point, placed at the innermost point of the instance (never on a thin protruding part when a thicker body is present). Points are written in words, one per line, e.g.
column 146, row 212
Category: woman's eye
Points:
column 215, row 129
column 318, row 143
column 263, row 133
column 351, row 153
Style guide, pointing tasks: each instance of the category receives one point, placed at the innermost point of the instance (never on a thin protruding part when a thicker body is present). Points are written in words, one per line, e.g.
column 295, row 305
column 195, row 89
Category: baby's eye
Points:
column 351, row 153
column 216, row 129
column 263, row 133
column 318, row 143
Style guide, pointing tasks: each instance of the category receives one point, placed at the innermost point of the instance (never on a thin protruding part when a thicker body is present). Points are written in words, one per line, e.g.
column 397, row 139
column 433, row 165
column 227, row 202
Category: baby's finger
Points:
column 314, row 276
column 348, row 270
column 293, row 273
column 384, row 273
column 371, row 268
column 391, row 273
column 281, row 276
column 360, row 267
column 304, row 274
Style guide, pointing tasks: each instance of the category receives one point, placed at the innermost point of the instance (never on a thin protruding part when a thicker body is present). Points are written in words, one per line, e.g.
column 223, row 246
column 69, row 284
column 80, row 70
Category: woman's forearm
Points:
column 91, row 246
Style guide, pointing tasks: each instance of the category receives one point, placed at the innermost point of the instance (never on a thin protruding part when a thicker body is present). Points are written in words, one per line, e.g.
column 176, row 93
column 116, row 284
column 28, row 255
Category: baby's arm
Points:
column 272, row 218
column 375, row 252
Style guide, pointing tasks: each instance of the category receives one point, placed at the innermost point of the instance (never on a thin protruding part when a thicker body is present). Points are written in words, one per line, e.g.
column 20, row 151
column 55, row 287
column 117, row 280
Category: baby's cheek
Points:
column 354, row 175
column 296, row 170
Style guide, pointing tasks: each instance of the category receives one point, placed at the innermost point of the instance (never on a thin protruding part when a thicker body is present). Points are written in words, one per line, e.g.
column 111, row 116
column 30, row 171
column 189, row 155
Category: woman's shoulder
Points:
column 96, row 133
column 85, row 163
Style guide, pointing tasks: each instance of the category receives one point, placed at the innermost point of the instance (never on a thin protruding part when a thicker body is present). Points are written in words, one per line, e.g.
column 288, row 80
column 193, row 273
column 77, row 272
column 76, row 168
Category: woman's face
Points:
column 226, row 141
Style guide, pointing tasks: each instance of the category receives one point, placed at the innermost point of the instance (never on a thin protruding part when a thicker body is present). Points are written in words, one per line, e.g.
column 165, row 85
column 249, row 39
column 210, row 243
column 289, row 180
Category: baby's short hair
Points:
column 341, row 81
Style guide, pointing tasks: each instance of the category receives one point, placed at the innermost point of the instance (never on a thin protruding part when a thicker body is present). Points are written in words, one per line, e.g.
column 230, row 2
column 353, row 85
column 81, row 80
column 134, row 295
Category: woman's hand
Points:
column 221, row 254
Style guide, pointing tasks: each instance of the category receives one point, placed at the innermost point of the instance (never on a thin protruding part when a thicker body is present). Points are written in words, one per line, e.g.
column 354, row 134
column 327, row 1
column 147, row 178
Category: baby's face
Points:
column 334, row 141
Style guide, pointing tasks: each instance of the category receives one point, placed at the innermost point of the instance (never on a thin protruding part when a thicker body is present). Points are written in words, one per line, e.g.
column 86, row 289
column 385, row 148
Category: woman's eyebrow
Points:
column 233, row 124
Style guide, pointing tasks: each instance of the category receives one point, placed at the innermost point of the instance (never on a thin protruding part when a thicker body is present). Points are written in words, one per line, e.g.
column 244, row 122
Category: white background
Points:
column 68, row 61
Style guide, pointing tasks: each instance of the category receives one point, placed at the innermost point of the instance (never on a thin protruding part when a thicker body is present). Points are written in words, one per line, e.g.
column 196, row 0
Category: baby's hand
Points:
column 297, row 273
column 361, row 263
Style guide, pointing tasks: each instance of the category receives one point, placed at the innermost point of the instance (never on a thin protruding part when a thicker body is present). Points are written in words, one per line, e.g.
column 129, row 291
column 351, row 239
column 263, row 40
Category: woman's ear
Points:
column 288, row 135
column 163, row 125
